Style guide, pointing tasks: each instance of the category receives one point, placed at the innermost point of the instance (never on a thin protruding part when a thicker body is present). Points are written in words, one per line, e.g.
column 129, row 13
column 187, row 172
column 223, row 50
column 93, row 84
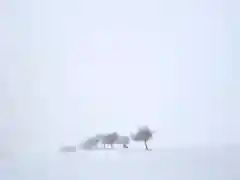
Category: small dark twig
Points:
column 146, row 147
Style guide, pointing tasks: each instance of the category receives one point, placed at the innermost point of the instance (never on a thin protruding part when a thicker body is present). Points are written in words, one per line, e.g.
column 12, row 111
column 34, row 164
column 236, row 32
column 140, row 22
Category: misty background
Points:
column 69, row 69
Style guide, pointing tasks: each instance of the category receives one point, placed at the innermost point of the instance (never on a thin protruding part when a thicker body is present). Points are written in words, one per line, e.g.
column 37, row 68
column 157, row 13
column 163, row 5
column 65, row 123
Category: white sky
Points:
column 73, row 68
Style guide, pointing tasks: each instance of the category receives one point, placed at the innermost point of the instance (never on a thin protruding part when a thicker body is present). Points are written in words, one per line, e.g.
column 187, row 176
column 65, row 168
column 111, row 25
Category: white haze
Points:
column 73, row 68
column 70, row 69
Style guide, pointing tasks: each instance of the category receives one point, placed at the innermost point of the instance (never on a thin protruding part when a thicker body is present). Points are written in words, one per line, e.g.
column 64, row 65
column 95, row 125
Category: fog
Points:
column 73, row 68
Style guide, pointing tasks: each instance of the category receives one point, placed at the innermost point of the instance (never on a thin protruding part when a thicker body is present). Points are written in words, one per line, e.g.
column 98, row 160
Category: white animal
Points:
column 143, row 135
column 90, row 143
column 108, row 139
column 123, row 140
column 100, row 137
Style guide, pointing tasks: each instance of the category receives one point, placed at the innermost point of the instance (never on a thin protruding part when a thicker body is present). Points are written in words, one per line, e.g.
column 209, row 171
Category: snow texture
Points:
column 119, row 164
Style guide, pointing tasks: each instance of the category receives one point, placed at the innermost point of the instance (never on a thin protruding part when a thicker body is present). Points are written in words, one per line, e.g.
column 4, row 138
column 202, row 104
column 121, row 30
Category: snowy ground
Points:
column 134, row 164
